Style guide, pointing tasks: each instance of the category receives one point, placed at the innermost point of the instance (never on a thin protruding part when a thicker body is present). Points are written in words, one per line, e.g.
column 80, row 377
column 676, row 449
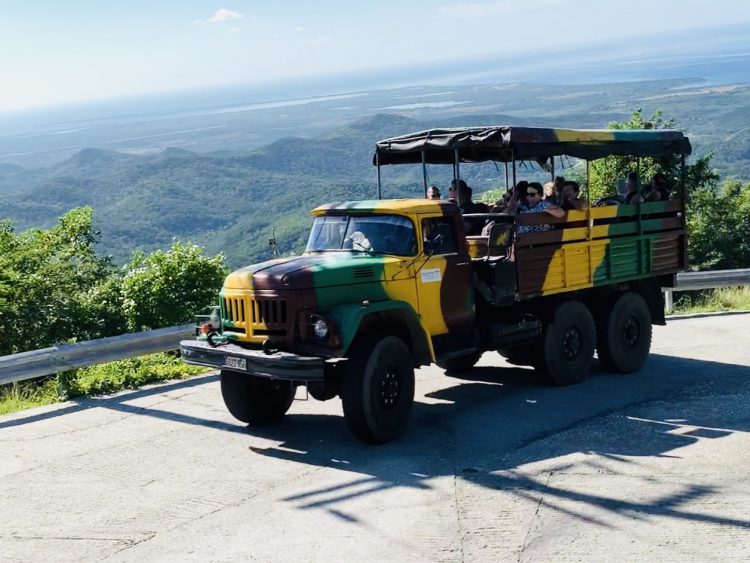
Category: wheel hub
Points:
column 631, row 333
column 572, row 343
column 389, row 390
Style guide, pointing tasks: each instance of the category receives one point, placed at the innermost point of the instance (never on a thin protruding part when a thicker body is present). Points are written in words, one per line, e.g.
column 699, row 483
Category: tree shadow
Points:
column 496, row 420
column 489, row 422
column 120, row 402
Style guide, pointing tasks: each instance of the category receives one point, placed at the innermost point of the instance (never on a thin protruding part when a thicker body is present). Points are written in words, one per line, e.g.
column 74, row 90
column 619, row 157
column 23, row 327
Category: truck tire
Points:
column 568, row 344
column 256, row 400
column 378, row 389
column 624, row 335
column 460, row 363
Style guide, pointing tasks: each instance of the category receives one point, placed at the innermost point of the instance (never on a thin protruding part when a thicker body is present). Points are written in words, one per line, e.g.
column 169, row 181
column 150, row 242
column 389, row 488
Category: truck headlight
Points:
column 320, row 327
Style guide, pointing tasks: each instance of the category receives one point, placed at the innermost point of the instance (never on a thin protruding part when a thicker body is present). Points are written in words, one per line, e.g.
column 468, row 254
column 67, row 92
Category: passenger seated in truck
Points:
column 631, row 185
column 549, row 193
column 501, row 204
column 570, row 198
column 658, row 189
column 537, row 205
column 472, row 225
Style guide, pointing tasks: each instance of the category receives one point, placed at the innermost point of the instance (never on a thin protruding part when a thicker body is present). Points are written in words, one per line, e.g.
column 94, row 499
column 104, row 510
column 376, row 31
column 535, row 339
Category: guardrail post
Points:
column 668, row 302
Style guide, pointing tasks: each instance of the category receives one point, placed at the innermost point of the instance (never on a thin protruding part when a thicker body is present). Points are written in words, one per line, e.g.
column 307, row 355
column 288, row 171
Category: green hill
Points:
column 230, row 201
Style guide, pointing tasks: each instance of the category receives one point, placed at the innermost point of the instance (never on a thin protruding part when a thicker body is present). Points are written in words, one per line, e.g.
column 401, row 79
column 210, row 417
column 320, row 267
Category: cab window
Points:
column 439, row 235
column 373, row 234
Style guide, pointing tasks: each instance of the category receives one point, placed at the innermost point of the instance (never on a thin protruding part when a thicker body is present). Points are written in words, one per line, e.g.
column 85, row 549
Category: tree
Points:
column 168, row 288
column 718, row 217
column 605, row 173
column 54, row 287
column 719, row 226
column 45, row 279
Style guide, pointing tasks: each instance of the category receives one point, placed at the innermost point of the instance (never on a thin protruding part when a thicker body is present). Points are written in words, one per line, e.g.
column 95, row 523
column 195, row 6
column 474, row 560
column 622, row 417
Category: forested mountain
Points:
column 225, row 201
column 230, row 201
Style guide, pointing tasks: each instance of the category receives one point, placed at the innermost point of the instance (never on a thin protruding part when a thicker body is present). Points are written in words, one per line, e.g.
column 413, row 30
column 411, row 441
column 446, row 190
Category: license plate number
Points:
column 235, row 363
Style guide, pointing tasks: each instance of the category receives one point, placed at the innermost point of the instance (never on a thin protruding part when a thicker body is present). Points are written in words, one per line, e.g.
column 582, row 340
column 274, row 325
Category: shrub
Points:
column 168, row 288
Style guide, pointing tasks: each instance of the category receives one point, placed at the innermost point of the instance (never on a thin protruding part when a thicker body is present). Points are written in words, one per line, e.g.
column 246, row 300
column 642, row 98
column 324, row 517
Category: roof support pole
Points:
column 513, row 159
column 377, row 163
column 552, row 168
column 589, row 223
column 682, row 178
column 683, row 197
column 507, row 187
column 424, row 172
column 638, row 169
column 459, row 192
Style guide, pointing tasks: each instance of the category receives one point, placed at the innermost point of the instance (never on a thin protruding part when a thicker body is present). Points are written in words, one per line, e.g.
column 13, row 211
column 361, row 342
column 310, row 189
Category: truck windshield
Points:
column 373, row 234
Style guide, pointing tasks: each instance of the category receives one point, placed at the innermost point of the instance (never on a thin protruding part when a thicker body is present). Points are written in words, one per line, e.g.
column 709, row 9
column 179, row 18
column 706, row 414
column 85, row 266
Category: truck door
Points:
column 445, row 285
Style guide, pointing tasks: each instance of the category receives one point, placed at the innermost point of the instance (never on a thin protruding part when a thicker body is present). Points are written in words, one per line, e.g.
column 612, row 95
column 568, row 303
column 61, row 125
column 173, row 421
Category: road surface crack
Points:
column 458, row 516
column 534, row 517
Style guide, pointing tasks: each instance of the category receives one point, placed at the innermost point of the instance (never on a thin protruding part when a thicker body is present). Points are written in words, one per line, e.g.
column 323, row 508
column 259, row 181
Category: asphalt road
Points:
column 494, row 467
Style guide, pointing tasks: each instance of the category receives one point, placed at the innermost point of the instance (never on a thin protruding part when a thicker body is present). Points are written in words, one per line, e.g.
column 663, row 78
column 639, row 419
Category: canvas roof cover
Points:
column 503, row 144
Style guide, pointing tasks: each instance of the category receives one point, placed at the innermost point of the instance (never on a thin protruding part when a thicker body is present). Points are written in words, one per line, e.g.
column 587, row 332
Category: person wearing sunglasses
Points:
column 535, row 204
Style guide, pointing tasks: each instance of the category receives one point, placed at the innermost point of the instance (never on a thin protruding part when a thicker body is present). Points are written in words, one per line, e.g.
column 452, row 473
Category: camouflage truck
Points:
column 386, row 286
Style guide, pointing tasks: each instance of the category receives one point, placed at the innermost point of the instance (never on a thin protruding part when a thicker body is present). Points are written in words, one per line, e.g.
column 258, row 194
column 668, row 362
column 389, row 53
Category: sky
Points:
column 55, row 52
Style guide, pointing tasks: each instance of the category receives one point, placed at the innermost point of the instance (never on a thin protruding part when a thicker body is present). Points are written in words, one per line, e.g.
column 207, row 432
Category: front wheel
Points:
column 624, row 336
column 378, row 389
column 256, row 400
column 568, row 344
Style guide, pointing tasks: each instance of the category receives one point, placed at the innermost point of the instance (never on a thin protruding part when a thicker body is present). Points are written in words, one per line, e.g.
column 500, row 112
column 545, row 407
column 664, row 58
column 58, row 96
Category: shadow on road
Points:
column 494, row 421
column 486, row 424
column 120, row 401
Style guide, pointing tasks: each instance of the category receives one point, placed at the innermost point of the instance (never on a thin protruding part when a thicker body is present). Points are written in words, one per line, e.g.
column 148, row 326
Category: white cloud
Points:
column 234, row 29
column 299, row 29
column 223, row 15
column 484, row 9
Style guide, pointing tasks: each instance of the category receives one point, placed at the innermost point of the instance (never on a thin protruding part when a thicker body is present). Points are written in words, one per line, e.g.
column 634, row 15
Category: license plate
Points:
column 235, row 363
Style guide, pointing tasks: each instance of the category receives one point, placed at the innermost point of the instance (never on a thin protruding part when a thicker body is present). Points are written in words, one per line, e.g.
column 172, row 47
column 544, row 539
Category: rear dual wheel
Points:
column 624, row 334
column 568, row 344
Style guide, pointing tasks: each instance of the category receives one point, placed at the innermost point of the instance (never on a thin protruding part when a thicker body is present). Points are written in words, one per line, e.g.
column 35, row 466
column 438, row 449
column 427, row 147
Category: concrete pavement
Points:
column 494, row 467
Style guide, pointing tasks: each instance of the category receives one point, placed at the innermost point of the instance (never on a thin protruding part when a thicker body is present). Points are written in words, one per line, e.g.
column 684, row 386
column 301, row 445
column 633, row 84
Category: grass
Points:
column 25, row 395
column 713, row 300
column 95, row 380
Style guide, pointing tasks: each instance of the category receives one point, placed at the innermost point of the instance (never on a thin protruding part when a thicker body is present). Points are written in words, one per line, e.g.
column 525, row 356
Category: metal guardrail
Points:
column 712, row 279
column 48, row 361
column 687, row 281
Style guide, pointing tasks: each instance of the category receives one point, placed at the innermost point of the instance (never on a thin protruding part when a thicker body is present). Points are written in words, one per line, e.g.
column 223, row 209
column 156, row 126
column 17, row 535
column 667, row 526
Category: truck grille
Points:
column 256, row 317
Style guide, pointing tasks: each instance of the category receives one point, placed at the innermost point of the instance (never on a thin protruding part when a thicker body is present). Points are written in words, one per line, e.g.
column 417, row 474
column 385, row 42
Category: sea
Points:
column 150, row 122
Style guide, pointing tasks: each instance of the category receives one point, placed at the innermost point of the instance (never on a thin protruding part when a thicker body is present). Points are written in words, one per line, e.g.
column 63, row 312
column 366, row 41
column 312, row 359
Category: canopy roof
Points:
column 501, row 143
column 397, row 206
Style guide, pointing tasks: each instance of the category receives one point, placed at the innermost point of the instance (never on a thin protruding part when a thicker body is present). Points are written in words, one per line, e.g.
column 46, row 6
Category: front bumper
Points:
column 279, row 365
